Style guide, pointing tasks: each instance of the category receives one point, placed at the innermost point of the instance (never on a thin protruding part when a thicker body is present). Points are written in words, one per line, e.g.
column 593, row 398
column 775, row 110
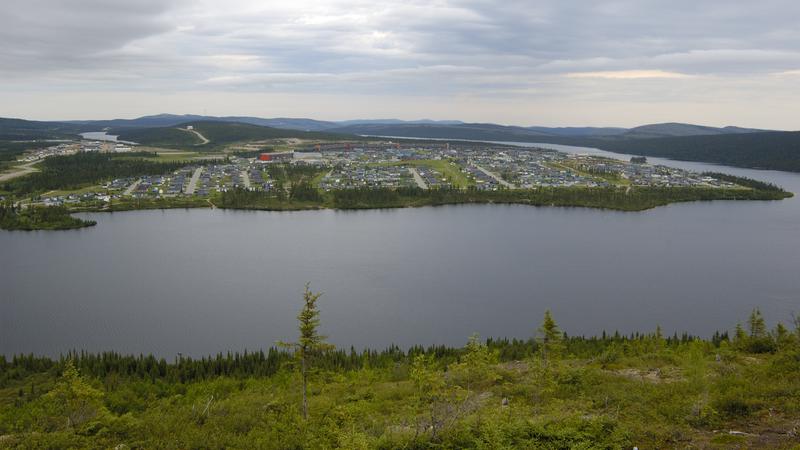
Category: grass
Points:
column 613, row 180
column 449, row 169
column 614, row 392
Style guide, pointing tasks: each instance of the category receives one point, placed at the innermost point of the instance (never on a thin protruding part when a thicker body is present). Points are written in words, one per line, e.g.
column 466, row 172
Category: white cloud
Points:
column 627, row 74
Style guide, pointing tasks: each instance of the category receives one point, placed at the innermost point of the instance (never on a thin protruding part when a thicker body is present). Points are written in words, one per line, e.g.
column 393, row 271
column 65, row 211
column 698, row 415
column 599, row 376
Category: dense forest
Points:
column 766, row 150
column 550, row 391
column 82, row 169
column 14, row 217
column 618, row 198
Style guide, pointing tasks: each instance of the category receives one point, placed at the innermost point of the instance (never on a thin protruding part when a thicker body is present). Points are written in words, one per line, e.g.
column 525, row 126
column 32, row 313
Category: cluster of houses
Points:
column 355, row 175
column 67, row 148
column 432, row 178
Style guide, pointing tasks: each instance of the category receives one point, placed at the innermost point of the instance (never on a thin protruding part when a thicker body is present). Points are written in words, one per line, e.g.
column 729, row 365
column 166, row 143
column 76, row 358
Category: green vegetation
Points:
column 551, row 391
column 39, row 218
column 9, row 150
column 160, row 137
column 219, row 135
column 84, row 169
column 452, row 173
column 618, row 198
column 311, row 344
column 744, row 181
column 766, row 150
column 25, row 130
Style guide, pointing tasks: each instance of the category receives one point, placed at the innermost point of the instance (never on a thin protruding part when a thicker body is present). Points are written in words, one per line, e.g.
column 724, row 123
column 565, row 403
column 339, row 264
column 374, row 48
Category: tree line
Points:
column 15, row 217
column 86, row 168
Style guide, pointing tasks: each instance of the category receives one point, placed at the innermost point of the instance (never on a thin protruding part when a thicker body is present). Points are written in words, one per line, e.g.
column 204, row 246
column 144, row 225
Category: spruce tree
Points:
column 549, row 337
column 310, row 343
column 758, row 328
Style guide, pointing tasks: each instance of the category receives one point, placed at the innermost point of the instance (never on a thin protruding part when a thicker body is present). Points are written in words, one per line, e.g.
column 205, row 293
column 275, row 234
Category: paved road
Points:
column 193, row 181
column 497, row 178
column 132, row 187
column 19, row 171
column 196, row 133
column 246, row 179
column 418, row 178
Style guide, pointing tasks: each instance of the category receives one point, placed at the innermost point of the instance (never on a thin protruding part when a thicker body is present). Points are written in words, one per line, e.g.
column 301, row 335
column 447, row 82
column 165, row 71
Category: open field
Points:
column 16, row 171
column 448, row 168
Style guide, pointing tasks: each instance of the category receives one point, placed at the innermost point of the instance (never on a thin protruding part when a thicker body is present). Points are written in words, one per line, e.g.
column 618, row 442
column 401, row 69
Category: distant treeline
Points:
column 39, row 218
column 744, row 181
column 767, row 150
column 9, row 150
column 266, row 363
column 618, row 198
column 218, row 134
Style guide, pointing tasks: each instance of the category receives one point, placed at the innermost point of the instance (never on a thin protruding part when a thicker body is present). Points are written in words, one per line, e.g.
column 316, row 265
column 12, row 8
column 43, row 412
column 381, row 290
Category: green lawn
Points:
column 448, row 168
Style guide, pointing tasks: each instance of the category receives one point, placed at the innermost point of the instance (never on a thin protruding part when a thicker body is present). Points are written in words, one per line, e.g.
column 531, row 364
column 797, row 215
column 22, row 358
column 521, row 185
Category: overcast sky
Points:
column 535, row 62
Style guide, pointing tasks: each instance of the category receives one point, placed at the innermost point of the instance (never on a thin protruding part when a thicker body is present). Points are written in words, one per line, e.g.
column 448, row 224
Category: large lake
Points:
column 202, row 281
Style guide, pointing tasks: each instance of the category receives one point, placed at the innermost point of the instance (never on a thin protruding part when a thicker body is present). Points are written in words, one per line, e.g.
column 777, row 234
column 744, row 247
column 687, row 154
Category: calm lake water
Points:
column 201, row 281
column 99, row 136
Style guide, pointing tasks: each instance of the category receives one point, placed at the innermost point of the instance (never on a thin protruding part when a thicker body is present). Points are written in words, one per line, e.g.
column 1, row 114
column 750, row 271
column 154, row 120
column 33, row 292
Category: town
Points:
column 384, row 164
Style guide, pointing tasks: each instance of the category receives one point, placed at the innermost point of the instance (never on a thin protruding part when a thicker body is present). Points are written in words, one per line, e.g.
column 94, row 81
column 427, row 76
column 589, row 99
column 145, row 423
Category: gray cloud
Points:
column 580, row 51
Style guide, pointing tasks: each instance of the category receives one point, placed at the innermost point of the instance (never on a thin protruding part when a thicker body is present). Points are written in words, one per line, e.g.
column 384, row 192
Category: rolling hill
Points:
column 734, row 146
column 20, row 130
column 777, row 150
column 742, row 147
column 681, row 129
column 289, row 123
column 218, row 133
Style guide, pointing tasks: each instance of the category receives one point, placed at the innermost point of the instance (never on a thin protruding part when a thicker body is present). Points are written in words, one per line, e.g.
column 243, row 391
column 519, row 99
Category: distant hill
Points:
column 734, row 146
column 485, row 131
column 681, row 129
column 474, row 131
column 579, row 131
column 730, row 145
column 171, row 120
column 20, row 129
column 777, row 150
column 217, row 132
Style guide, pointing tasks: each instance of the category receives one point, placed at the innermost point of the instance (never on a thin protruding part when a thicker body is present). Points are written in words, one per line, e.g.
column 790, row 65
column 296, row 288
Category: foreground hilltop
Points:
column 550, row 392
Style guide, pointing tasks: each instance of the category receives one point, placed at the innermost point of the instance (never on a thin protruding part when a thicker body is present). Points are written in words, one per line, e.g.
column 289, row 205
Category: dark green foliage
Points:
column 310, row 344
column 618, row 198
column 292, row 173
column 744, row 181
column 9, row 150
column 636, row 199
column 39, row 218
column 765, row 150
column 160, row 137
column 218, row 133
column 76, row 171
column 304, row 192
column 19, row 130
